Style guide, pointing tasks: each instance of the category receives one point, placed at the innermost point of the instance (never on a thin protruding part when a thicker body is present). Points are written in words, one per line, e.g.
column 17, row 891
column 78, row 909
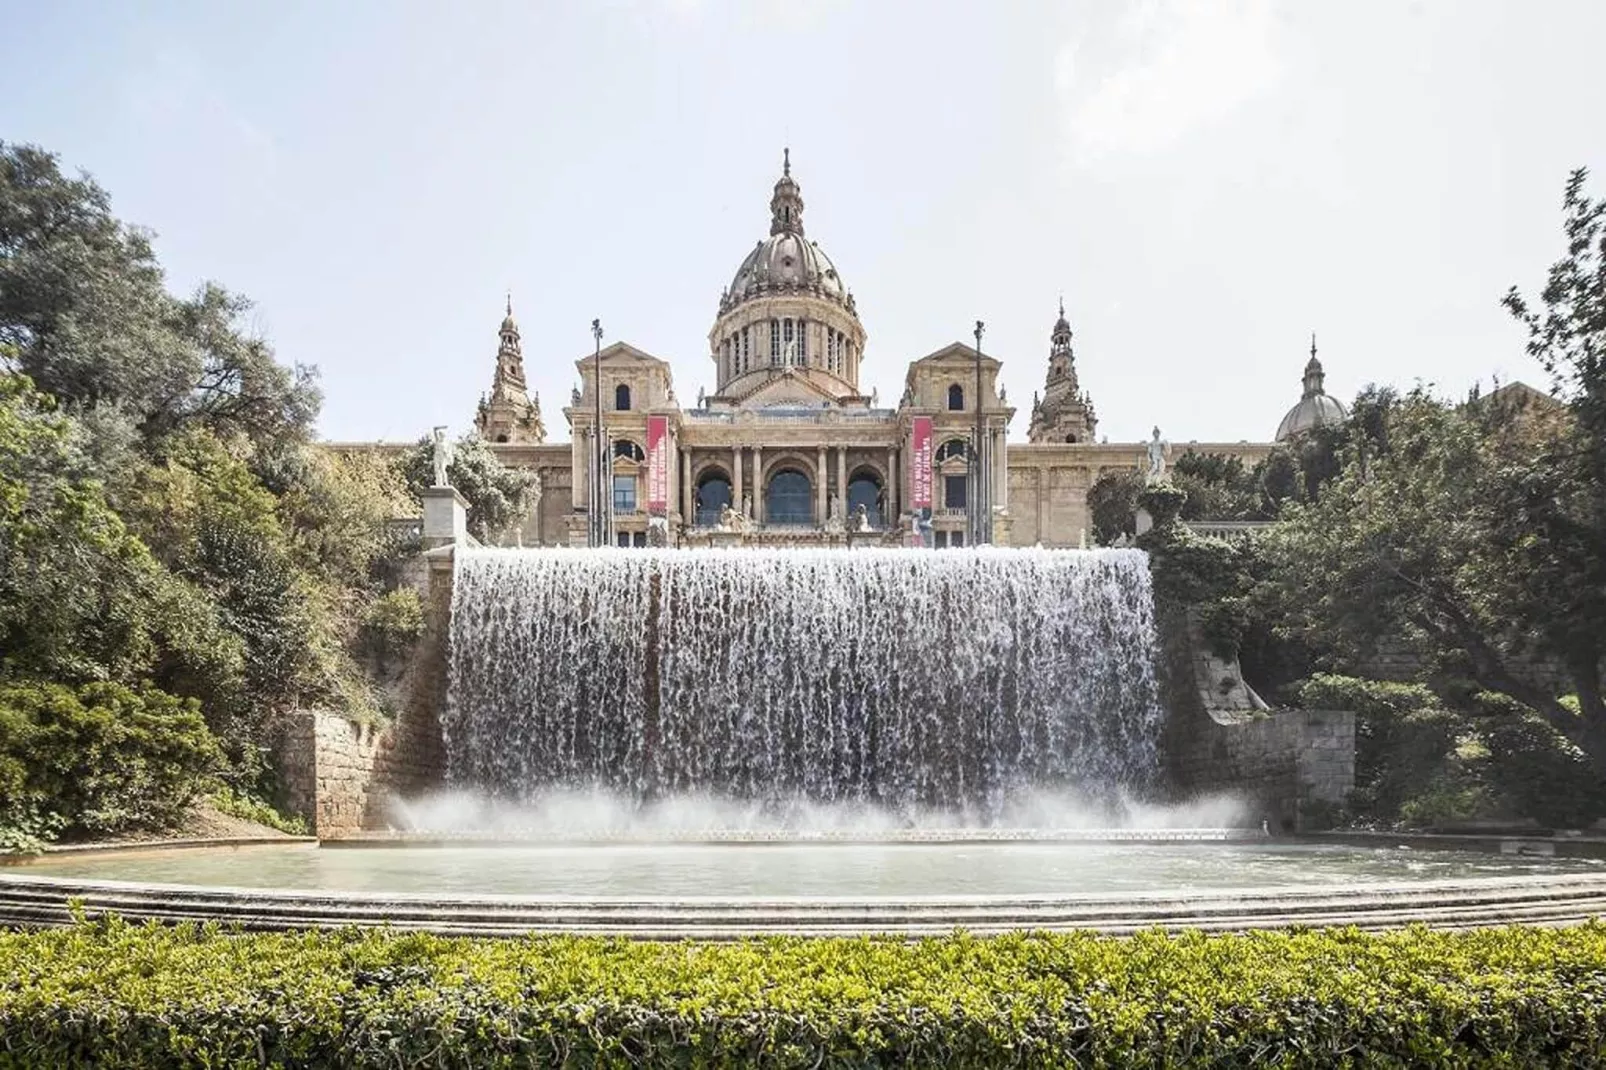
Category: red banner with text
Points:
column 920, row 464
column 657, row 465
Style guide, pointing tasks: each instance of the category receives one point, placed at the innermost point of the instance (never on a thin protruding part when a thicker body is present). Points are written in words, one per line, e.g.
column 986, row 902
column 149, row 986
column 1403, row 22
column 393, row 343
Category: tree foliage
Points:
column 163, row 515
column 498, row 496
column 84, row 312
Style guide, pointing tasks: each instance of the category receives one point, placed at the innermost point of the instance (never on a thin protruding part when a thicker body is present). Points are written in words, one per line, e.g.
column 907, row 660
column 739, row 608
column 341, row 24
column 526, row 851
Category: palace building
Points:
column 787, row 449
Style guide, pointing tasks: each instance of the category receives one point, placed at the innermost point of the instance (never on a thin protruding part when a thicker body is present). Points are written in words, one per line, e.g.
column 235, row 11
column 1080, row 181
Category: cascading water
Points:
column 892, row 678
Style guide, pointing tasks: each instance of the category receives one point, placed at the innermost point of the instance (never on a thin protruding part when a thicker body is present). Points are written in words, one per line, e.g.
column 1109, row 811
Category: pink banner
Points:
column 920, row 464
column 657, row 465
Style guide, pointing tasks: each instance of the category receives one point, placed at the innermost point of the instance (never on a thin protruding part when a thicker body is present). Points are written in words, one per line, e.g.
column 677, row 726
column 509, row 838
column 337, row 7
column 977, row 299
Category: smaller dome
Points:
column 1315, row 408
column 1309, row 414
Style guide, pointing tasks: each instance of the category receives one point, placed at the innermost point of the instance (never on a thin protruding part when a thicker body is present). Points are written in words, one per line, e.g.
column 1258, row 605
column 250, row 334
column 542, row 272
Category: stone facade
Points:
column 789, row 439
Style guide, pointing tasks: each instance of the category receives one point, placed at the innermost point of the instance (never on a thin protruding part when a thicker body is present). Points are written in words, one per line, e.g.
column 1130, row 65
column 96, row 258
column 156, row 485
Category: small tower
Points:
column 510, row 413
column 1064, row 413
column 786, row 206
column 1314, row 409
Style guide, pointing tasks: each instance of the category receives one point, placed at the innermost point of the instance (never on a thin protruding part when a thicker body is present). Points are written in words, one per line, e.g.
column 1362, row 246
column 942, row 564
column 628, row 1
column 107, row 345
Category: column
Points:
column 891, row 519
column 999, row 446
column 736, row 477
column 842, row 479
column 688, row 493
column 819, row 488
column 758, row 484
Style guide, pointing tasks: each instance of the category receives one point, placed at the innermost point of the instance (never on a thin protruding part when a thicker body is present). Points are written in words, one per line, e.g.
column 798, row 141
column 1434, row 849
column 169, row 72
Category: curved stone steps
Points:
column 1540, row 900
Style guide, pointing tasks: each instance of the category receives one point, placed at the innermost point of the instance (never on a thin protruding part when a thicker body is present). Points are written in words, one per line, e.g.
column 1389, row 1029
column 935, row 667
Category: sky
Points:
column 1206, row 183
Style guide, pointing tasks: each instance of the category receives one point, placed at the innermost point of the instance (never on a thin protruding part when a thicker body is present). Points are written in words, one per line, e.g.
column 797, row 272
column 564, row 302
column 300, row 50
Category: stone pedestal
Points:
column 445, row 517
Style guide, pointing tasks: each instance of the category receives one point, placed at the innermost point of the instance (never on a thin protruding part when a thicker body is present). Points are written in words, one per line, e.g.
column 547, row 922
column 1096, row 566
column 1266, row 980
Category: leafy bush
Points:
column 226, row 800
column 393, row 620
column 1535, row 768
column 108, row 994
column 99, row 759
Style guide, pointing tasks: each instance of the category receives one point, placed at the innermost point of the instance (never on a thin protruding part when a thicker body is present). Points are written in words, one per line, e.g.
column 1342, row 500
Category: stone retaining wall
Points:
column 340, row 774
column 1284, row 763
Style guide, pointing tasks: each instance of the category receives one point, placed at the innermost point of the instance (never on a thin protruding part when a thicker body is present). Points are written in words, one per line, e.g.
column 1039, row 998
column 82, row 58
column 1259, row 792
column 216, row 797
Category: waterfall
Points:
column 896, row 678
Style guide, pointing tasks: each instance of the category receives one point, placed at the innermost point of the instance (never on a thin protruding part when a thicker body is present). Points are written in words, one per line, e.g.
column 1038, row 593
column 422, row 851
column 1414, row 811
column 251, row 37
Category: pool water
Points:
column 807, row 870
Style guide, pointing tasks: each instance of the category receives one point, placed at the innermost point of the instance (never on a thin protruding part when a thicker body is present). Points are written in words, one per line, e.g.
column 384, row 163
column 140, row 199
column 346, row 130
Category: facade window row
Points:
column 789, row 346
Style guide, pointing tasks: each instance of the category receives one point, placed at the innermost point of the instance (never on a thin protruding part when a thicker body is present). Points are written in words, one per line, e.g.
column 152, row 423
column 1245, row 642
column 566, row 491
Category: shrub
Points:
column 393, row 621
column 1538, row 771
column 108, row 994
column 226, row 800
column 100, row 759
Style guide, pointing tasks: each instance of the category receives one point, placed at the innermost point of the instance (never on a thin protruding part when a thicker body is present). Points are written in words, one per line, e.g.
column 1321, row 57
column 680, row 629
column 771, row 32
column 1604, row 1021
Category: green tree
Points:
column 1424, row 538
column 81, row 597
column 84, row 313
column 498, row 496
column 1112, row 503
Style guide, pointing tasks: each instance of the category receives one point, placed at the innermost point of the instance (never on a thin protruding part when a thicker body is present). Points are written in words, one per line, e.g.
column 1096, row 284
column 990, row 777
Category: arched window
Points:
column 864, row 488
column 713, row 494
column 621, row 397
column 956, row 398
column 790, row 499
column 627, row 450
column 954, row 449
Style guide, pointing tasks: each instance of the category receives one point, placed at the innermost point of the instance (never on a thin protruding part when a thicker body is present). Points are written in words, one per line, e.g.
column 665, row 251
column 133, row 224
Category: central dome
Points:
column 786, row 262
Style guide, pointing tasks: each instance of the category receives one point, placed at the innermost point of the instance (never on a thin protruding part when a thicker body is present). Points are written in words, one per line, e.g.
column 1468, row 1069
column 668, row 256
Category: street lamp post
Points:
column 978, row 482
column 599, row 500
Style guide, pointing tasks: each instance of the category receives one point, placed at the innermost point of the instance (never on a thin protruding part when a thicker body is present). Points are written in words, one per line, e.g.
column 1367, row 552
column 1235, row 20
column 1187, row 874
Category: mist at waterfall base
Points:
column 869, row 691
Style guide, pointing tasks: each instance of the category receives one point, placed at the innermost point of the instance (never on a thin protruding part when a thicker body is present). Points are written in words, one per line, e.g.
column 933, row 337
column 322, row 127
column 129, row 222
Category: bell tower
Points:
column 1063, row 413
column 510, row 413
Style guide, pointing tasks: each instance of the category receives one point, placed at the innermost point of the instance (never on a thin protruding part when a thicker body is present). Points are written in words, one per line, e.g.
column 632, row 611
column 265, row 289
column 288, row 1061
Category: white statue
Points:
column 442, row 455
column 861, row 518
column 727, row 518
column 1156, row 450
column 836, row 508
column 789, row 354
column 747, row 506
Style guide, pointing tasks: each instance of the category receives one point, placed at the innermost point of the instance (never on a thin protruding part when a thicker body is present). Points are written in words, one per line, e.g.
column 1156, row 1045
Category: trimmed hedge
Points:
column 110, row 995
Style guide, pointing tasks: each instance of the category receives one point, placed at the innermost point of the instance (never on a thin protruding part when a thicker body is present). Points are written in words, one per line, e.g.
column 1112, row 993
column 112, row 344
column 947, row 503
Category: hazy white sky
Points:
column 1206, row 182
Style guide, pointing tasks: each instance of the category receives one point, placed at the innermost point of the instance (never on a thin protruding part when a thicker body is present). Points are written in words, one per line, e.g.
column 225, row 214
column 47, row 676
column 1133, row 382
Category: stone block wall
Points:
column 340, row 774
column 1283, row 763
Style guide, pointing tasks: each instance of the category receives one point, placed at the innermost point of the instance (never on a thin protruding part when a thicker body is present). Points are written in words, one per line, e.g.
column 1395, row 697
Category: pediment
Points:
column 623, row 353
column 957, row 353
column 788, row 390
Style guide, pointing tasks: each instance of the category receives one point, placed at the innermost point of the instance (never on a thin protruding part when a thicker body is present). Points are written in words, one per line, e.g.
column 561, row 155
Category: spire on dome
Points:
column 786, row 206
column 1315, row 377
column 1061, row 336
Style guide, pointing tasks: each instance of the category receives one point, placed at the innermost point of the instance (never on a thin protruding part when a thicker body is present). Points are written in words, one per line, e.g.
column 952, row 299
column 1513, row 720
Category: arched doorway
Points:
column 713, row 495
column 789, row 499
column 864, row 488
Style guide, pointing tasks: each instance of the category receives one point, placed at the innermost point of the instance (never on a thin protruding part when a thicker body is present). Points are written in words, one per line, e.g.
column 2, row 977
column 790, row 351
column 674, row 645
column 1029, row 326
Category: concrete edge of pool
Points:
column 1550, row 900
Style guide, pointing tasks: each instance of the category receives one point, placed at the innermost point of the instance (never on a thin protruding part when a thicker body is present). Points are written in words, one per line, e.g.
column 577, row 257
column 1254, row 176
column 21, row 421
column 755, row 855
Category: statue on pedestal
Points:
column 727, row 518
column 861, row 518
column 441, row 456
column 1156, row 451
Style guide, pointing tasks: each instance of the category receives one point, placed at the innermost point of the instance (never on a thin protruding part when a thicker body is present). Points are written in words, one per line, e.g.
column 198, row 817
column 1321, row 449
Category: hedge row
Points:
column 108, row 995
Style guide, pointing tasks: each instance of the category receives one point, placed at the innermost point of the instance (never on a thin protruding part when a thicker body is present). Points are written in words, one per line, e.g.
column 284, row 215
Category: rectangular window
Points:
column 624, row 494
column 623, row 539
column 803, row 342
column 956, row 539
column 775, row 341
column 640, row 540
column 953, row 491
